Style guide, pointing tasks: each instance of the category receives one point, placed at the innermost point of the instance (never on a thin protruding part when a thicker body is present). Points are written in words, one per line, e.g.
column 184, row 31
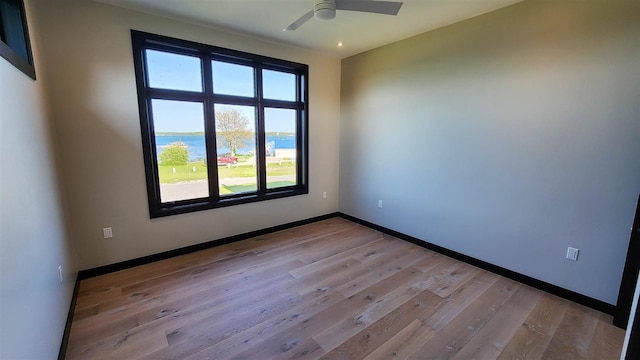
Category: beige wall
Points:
column 507, row 137
column 92, row 88
column 33, row 241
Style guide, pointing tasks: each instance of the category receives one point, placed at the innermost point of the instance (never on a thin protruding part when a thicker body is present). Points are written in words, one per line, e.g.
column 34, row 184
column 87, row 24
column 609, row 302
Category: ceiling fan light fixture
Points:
column 324, row 9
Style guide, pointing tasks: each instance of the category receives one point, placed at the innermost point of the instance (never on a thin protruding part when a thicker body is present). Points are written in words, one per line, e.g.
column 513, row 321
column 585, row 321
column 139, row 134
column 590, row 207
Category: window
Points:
column 14, row 36
column 219, row 127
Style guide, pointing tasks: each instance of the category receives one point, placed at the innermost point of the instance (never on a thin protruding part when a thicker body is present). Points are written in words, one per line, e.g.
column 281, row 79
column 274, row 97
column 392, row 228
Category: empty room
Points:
column 319, row 179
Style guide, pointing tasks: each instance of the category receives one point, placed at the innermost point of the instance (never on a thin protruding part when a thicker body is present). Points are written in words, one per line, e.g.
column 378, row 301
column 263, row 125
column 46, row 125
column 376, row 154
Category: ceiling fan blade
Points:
column 296, row 24
column 378, row 7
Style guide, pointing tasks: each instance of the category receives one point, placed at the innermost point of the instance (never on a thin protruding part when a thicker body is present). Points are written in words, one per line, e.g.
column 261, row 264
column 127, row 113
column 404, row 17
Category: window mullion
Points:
column 261, row 155
column 301, row 139
column 210, row 129
column 234, row 100
column 178, row 95
column 150, row 141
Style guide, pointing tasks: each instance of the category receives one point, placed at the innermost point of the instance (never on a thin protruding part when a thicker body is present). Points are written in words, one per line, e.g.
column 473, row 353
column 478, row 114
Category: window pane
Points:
column 232, row 79
column 181, row 150
column 278, row 85
column 280, row 127
column 172, row 71
column 236, row 141
column 12, row 30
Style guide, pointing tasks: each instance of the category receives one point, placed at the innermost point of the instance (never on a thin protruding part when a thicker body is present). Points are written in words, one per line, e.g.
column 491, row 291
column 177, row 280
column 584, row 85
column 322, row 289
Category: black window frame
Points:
column 24, row 64
column 141, row 41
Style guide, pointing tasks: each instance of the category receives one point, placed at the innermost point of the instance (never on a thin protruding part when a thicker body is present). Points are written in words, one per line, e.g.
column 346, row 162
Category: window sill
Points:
column 187, row 206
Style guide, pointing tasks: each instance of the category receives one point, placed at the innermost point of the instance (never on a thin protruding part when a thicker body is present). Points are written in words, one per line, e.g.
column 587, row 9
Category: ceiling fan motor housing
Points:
column 324, row 9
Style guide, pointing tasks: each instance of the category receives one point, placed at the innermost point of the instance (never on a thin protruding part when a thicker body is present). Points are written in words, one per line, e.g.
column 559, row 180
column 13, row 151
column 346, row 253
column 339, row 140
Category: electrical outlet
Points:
column 107, row 233
column 572, row 253
column 60, row 272
column 380, row 204
column 324, row 195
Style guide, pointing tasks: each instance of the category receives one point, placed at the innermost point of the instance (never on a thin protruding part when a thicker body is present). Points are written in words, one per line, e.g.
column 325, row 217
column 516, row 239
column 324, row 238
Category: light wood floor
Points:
column 328, row 290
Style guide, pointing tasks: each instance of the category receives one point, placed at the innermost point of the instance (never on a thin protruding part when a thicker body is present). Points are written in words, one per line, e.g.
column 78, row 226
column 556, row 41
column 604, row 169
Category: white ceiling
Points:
column 358, row 31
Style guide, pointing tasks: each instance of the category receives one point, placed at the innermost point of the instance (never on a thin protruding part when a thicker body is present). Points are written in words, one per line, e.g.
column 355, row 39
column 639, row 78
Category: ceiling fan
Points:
column 326, row 9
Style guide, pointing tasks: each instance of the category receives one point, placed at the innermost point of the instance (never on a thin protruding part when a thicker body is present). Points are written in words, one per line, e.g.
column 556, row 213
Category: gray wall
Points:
column 506, row 137
column 93, row 94
column 33, row 240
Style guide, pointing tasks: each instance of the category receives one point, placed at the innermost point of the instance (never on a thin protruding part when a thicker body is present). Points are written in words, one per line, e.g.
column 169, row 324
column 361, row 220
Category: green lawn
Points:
column 236, row 189
column 185, row 173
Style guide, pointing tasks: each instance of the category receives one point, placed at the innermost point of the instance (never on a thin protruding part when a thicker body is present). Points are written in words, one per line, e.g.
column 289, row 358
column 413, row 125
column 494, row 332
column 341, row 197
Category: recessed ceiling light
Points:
column 340, row 44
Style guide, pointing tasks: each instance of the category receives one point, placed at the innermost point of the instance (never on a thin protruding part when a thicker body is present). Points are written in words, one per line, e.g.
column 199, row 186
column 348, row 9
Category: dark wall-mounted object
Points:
column 15, row 46
column 633, row 347
column 630, row 275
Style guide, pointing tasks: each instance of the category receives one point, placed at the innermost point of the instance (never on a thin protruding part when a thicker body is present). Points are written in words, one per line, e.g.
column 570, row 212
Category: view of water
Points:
column 195, row 144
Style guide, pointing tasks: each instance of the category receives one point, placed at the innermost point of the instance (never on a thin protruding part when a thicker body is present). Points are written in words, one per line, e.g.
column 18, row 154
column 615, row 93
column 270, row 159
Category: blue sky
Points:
column 171, row 71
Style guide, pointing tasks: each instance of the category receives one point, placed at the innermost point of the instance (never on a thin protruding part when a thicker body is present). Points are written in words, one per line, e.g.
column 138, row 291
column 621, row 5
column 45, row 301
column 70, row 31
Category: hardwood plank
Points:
column 124, row 346
column 607, row 340
column 346, row 275
column 299, row 239
column 308, row 349
column 177, row 317
column 380, row 332
column 338, row 244
column 489, row 342
column 431, row 260
column 407, row 285
column 159, row 268
column 380, row 272
column 179, row 313
column 387, row 244
column 324, row 274
column 574, row 334
column 447, row 342
column 458, row 300
column 450, row 282
column 404, row 343
column 92, row 299
column 533, row 337
column 334, row 290
column 258, row 245
column 361, row 254
column 316, row 324
column 251, row 338
column 206, row 272
column 172, row 289
column 85, row 312
column 225, row 324
column 178, row 303
column 219, row 338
